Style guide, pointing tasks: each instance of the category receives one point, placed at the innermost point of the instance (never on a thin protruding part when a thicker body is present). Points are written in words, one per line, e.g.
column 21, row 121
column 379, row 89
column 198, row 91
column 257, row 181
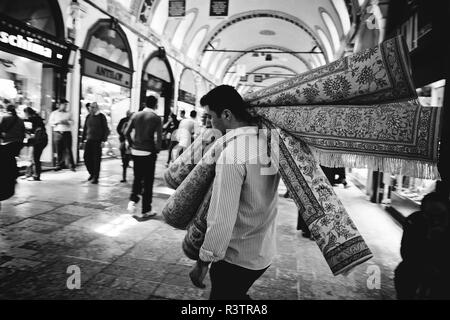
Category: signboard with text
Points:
column 218, row 8
column 186, row 97
column 177, row 8
column 258, row 78
column 107, row 73
column 19, row 38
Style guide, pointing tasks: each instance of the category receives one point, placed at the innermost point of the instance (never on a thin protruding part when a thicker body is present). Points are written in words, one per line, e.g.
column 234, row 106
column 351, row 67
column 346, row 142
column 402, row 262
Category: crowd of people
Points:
column 240, row 239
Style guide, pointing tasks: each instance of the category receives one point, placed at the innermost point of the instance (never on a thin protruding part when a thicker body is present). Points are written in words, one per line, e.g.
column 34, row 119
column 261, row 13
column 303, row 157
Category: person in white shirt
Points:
column 240, row 240
column 187, row 132
column 61, row 121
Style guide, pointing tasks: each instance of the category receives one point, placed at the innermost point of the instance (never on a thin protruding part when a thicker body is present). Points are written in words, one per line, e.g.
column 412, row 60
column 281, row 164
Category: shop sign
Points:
column 218, row 8
column 258, row 78
column 185, row 96
column 27, row 43
column 101, row 71
column 177, row 8
column 21, row 39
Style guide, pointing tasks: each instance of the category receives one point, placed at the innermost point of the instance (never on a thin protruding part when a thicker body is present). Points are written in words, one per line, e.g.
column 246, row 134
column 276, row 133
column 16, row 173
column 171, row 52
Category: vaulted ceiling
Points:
column 298, row 35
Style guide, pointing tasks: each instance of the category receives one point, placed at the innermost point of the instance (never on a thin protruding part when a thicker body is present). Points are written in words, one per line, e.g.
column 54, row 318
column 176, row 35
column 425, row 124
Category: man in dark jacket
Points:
column 125, row 152
column 95, row 132
column 144, row 149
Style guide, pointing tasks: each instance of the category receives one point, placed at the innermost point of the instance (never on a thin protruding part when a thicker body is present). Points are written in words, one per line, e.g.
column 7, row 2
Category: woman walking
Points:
column 38, row 141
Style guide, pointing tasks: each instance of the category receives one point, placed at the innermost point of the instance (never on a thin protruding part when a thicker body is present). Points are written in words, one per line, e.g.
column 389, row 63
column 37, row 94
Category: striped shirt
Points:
column 241, row 217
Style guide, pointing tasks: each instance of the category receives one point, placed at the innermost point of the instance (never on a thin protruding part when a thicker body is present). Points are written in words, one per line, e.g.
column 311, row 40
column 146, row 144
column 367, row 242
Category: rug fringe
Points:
column 411, row 168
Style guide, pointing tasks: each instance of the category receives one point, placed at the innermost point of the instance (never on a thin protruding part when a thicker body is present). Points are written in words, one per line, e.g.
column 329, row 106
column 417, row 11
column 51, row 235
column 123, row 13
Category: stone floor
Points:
column 63, row 221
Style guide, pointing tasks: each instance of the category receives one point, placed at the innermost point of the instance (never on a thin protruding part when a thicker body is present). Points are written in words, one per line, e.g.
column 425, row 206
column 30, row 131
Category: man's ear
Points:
column 227, row 115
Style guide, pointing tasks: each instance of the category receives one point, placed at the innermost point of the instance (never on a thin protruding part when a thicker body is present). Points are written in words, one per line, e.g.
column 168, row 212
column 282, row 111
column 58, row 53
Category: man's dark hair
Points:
column 226, row 97
column 11, row 109
column 193, row 114
column 151, row 102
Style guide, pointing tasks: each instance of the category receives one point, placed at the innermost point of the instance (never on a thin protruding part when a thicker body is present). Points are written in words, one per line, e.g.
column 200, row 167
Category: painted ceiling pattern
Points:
column 259, row 42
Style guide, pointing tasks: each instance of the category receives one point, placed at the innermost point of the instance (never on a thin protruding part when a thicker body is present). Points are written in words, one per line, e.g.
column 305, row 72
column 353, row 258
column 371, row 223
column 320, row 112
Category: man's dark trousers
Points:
column 241, row 280
column 93, row 157
column 144, row 173
column 63, row 141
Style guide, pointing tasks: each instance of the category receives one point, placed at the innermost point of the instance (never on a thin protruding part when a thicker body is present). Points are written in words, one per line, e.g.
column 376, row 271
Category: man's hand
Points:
column 198, row 273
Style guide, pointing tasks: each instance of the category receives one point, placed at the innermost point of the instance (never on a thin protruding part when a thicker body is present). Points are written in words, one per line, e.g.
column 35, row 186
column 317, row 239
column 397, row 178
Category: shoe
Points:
column 94, row 181
column 306, row 235
column 36, row 179
column 123, row 180
column 73, row 169
column 149, row 214
column 144, row 216
column 58, row 168
column 131, row 208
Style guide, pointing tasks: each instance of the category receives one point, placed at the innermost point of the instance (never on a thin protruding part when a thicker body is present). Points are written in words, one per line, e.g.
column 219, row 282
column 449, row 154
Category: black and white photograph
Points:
column 203, row 152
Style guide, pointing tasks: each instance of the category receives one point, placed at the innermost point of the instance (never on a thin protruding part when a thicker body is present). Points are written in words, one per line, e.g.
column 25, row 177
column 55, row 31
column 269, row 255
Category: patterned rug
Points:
column 359, row 110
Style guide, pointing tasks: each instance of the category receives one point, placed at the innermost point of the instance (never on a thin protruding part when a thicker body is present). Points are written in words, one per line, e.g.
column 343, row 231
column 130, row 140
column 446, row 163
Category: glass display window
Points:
column 113, row 101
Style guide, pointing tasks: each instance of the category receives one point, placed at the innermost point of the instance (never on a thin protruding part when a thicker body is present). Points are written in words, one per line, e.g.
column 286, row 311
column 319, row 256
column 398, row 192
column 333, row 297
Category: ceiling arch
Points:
column 183, row 28
column 196, row 41
column 272, row 66
column 331, row 27
column 260, row 14
column 268, row 47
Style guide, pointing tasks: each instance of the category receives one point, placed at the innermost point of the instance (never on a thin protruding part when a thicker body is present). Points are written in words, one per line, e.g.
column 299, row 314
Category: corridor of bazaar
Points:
column 63, row 236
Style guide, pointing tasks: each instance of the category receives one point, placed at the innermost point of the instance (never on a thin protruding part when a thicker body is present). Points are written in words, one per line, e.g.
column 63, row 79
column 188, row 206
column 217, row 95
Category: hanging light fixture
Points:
column 112, row 28
column 268, row 57
column 255, row 54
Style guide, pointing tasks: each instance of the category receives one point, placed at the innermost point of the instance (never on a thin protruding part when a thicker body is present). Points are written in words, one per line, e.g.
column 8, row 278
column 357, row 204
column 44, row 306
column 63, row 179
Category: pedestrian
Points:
column 144, row 150
column 61, row 121
column 125, row 150
column 171, row 127
column 240, row 240
column 12, row 134
column 301, row 224
column 182, row 115
column 38, row 141
column 95, row 133
column 423, row 271
column 187, row 131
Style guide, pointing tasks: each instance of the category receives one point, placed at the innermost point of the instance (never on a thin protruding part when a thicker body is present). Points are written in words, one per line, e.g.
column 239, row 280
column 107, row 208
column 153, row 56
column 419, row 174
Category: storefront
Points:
column 106, row 78
column 421, row 30
column 187, row 92
column 157, row 79
column 33, row 60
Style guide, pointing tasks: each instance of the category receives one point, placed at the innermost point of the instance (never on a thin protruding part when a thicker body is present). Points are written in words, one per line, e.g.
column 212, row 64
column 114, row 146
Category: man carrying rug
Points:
column 240, row 240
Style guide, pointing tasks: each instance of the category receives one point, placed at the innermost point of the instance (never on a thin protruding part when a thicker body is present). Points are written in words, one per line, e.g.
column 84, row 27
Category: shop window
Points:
column 410, row 188
column 112, row 48
column 39, row 14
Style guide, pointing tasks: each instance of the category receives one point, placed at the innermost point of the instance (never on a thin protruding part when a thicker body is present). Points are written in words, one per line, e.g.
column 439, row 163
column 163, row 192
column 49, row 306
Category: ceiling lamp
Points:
column 268, row 57
column 111, row 33
column 255, row 54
